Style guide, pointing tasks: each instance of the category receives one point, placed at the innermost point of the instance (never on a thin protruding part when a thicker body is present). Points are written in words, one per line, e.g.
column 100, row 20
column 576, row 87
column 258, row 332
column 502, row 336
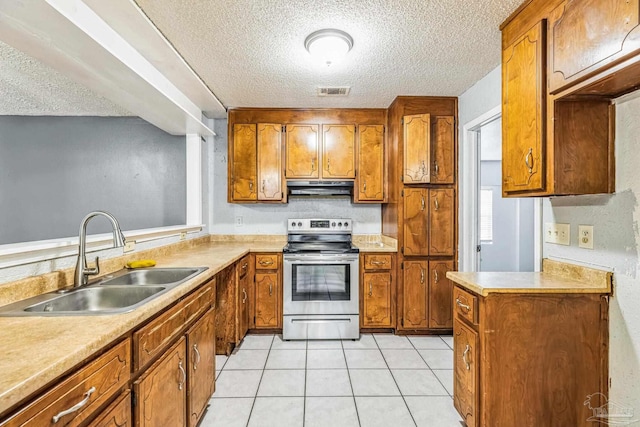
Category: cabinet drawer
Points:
column 267, row 261
column 377, row 262
column 465, row 304
column 150, row 340
column 93, row 385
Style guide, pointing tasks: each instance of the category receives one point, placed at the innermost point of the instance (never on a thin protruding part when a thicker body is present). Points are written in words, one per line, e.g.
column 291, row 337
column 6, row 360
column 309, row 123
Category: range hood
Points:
column 320, row 188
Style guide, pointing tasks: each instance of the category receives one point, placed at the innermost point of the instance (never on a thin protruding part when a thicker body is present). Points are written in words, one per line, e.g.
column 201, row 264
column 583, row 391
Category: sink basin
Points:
column 120, row 292
column 94, row 300
column 151, row 276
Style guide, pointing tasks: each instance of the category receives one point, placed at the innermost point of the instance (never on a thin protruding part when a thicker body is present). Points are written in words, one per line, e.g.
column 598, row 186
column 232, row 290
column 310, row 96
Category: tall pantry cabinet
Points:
column 423, row 209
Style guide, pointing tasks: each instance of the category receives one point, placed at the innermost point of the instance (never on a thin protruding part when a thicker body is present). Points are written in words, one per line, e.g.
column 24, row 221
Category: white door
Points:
column 505, row 226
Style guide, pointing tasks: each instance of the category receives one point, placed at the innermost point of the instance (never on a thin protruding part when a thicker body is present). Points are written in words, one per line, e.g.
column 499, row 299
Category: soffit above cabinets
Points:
column 251, row 53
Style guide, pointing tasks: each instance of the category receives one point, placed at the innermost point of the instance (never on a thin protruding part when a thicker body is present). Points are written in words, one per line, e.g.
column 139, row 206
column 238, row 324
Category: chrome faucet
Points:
column 82, row 271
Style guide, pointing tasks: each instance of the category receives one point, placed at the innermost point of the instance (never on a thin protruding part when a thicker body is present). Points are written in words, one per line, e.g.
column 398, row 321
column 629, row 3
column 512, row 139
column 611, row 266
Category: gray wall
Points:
column 271, row 219
column 616, row 239
column 54, row 170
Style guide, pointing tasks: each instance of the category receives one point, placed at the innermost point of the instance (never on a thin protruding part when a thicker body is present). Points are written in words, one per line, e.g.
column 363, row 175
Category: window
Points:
column 486, row 215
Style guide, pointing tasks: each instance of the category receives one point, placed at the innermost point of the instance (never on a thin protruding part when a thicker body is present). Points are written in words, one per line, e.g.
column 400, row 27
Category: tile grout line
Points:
column 394, row 379
column 353, row 395
column 253, row 404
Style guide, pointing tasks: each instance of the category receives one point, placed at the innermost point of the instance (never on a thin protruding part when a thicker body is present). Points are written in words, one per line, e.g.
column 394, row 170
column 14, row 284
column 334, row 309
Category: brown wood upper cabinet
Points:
column 417, row 133
column 523, row 112
column 370, row 181
column 588, row 36
column 338, row 151
column 256, row 166
column 442, row 149
column 428, row 222
column 301, row 151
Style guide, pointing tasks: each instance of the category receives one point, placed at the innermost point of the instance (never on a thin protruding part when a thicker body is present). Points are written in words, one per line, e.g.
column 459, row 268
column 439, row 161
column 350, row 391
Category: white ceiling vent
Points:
column 334, row 91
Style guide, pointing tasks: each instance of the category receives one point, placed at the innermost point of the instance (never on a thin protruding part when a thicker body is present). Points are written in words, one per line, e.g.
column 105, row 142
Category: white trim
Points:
column 469, row 190
column 469, row 197
column 44, row 250
column 194, row 179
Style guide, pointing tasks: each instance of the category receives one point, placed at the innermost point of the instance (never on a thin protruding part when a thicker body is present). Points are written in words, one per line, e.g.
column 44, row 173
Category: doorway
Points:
column 496, row 234
column 505, row 225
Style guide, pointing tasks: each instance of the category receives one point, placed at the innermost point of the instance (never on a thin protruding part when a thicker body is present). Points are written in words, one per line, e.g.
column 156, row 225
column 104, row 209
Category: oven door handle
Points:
column 323, row 260
column 319, row 320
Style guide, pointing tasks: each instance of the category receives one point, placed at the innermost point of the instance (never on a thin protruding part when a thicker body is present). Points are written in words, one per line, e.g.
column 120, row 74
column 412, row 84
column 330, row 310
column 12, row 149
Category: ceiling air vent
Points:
column 334, row 91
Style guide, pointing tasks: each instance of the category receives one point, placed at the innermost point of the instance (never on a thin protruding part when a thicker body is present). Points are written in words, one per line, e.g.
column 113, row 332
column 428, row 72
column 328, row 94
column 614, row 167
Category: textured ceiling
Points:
column 251, row 53
column 30, row 88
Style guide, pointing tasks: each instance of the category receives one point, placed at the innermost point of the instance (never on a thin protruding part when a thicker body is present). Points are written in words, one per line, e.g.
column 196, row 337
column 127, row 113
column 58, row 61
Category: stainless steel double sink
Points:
column 119, row 292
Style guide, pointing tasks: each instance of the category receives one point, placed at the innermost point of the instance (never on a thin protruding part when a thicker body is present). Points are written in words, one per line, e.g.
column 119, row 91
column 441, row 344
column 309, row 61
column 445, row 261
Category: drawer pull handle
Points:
column 197, row 361
column 75, row 407
column 435, row 276
column 528, row 160
column 244, row 298
column 244, row 266
column 464, row 357
column 270, row 289
column 370, row 288
column 267, row 262
column 422, row 276
column 184, row 375
column 375, row 262
column 461, row 305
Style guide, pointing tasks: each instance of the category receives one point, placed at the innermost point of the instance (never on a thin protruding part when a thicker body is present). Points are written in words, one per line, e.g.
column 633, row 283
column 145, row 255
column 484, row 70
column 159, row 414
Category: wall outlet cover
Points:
column 585, row 236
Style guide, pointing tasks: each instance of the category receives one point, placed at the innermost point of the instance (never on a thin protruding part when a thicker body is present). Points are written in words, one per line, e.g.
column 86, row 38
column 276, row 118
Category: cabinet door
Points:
column 243, row 174
column 267, row 300
column 201, row 344
column 442, row 149
column 465, row 372
column 414, row 295
column 440, row 295
column 441, row 222
column 118, row 414
column 416, row 215
column 523, row 112
column 225, row 310
column 161, row 392
column 587, row 36
column 338, row 151
column 417, row 132
column 376, row 293
column 302, row 151
column 370, row 178
column 269, row 161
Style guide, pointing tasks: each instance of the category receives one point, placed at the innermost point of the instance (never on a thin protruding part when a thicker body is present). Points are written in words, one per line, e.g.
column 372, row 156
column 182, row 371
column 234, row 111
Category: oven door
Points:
column 320, row 284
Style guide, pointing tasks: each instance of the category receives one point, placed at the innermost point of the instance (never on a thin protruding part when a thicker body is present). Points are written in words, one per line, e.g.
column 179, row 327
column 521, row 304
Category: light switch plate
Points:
column 585, row 236
column 560, row 234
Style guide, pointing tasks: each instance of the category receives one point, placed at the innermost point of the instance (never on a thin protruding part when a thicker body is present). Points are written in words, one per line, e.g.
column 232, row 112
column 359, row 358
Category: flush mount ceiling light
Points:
column 328, row 45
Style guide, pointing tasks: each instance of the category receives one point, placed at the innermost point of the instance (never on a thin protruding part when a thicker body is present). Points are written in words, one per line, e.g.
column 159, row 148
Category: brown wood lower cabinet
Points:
column 268, row 291
column 201, row 346
column 226, row 310
column 161, row 392
column 440, row 291
column 118, row 414
column 377, row 291
column 426, row 295
column 529, row 359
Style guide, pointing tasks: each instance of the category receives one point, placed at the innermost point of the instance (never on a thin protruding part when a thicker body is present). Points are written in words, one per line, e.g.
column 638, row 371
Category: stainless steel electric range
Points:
column 320, row 280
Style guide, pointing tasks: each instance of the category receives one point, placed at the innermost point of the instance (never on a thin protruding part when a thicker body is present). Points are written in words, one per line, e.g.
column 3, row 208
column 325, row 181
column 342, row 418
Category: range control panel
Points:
column 319, row 225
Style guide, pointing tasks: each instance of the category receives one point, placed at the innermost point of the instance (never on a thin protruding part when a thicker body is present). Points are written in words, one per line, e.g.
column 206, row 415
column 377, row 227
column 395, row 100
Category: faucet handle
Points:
column 95, row 270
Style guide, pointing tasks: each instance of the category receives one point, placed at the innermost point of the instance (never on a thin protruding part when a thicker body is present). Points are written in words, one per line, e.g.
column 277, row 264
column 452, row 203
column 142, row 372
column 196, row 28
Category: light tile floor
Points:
column 379, row 380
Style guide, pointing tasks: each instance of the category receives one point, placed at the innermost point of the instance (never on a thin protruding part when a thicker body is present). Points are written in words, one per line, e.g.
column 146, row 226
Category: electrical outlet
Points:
column 183, row 235
column 585, row 236
column 129, row 246
column 239, row 221
column 560, row 234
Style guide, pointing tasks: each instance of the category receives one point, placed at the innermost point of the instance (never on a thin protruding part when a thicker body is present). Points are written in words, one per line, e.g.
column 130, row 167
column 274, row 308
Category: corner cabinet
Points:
column 377, row 290
column 255, row 166
column 563, row 63
column 544, row 353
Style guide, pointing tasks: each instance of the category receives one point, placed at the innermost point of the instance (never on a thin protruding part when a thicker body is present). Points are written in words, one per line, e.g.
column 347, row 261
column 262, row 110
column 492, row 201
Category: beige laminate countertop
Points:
column 37, row 350
column 556, row 278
